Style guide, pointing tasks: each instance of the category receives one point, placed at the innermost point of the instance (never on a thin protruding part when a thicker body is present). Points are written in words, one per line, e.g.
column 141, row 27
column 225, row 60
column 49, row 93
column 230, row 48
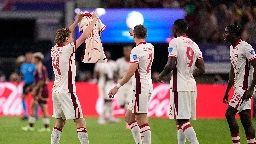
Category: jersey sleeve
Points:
column 198, row 52
column 134, row 57
column 70, row 48
column 249, row 52
column 172, row 49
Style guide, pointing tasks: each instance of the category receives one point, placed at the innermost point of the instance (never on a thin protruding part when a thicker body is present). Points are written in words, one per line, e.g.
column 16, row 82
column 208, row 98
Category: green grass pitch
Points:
column 209, row 131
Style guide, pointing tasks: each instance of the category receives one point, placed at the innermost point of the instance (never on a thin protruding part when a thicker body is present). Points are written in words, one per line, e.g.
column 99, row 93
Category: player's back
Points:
column 41, row 76
column 143, row 54
column 122, row 66
column 187, row 52
column 63, row 62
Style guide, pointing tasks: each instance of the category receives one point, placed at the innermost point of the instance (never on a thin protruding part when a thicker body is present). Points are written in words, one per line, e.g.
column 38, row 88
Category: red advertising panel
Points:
column 209, row 100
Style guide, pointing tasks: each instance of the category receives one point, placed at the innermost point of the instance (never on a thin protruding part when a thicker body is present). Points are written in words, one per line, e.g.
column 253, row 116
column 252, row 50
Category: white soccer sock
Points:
column 135, row 129
column 55, row 136
column 109, row 114
column 250, row 140
column 82, row 135
column 235, row 138
column 180, row 135
column 145, row 133
column 46, row 122
column 189, row 133
column 31, row 121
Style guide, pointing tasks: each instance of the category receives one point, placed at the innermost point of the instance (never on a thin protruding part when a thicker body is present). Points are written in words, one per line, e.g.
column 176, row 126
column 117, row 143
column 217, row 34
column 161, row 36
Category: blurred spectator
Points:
column 170, row 4
column 15, row 77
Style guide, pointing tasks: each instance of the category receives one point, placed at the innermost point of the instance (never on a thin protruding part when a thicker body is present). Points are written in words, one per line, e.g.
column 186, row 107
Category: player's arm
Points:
column 230, row 84
column 200, row 68
column 250, row 91
column 87, row 31
column 75, row 23
column 127, row 76
column 169, row 67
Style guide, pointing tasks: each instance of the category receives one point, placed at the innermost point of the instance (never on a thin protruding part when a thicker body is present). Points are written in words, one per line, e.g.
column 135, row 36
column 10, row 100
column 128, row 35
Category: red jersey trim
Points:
column 237, row 43
column 141, row 43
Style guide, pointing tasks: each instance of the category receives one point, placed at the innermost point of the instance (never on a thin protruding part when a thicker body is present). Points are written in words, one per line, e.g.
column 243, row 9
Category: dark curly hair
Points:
column 61, row 35
column 140, row 31
column 236, row 29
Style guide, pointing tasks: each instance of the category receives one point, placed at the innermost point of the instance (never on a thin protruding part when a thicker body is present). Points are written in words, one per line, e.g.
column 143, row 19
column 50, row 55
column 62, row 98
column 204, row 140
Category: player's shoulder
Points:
column 244, row 44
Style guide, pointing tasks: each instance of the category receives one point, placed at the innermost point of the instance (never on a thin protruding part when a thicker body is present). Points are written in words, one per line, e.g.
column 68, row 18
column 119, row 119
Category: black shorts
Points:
column 25, row 87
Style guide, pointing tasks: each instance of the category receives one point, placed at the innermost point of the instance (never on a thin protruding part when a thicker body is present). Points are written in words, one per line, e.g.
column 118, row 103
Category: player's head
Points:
column 232, row 33
column 28, row 57
column 180, row 27
column 108, row 55
column 63, row 35
column 38, row 57
column 140, row 32
column 127, row 51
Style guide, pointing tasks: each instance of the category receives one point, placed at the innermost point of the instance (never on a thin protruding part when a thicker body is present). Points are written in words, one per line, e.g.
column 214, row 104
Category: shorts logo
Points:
column 134, row 57
column 252, row 52
column 170, row 49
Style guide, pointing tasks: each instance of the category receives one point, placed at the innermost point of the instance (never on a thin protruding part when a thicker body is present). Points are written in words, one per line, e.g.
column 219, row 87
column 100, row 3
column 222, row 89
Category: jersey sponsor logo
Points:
column 170, row 49
column 252, row 52
column 71, row 44
column 134, row 57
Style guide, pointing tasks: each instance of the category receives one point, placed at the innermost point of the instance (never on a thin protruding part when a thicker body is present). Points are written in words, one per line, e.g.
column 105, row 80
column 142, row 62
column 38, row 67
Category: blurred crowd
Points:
column 206, row 18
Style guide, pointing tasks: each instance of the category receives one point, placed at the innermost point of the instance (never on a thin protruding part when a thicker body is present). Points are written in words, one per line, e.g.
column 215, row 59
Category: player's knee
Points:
column 60, row 123
column 80, row 122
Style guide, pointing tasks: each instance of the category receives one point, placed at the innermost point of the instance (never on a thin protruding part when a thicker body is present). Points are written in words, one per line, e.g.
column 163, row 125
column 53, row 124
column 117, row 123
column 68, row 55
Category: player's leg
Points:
column 145, row 131
column 32, row 118
column 46, row 120
column 102, row 119
column 81, row 130
column 135, row 129
column 140, row 110
column 232, row 123
column 24, row 104
column 42, row 101
column 57, row 130
column 245, row 117
column 184, row 105
column 109, row 103
column 60, row 118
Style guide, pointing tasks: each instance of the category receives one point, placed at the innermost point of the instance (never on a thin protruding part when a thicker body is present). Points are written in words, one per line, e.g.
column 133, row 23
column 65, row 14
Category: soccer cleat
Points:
column 27, row 128
column 101, row 121
column 44, row 130
column 113, row 120
column 24, row 118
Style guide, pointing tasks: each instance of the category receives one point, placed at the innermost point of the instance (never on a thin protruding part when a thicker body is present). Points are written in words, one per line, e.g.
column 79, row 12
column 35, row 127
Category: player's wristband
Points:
column 118, row 85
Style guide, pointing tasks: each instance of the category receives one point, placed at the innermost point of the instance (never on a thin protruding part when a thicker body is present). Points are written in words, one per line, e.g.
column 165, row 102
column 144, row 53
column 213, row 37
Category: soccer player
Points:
column 125, row 92
column 40, row 94
column 27, row 70
column 141, row 59
column 105, row 73
column 65, row 101
column 243, row 76
column 184, row 55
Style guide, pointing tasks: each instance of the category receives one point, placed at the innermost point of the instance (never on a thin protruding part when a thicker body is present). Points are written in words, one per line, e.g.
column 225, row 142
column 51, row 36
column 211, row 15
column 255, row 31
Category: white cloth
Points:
column 187, row 52
column 93, row 51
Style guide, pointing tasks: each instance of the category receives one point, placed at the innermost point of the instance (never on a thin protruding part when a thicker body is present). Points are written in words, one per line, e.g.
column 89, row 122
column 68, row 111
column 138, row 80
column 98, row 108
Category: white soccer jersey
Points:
column 187, row 52
column 63, row 62
column 143, row 55
column 122, row 67
column 106, row 71
column 241, row 55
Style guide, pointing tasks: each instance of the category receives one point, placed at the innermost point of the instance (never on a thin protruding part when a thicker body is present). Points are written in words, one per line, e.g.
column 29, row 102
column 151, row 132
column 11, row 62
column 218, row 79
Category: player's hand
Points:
column 131, row 31
column 112, row 92
column 79, row 16
column 160, row 79
column 225, row 98
column 95, row 15
column 248, row 93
